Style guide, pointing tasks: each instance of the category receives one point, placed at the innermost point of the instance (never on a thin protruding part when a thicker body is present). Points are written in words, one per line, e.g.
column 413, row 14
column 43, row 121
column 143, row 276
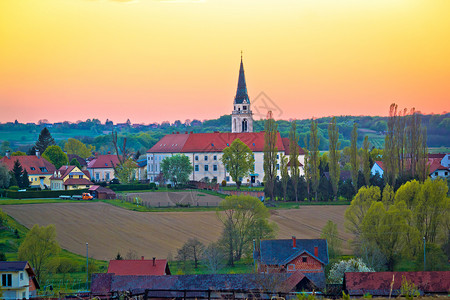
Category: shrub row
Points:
column 42, row 194
column 133, row 187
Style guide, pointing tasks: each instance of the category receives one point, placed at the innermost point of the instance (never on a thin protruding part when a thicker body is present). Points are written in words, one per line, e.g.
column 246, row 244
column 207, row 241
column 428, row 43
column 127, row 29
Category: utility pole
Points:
column 424, row 255
column 87, row 267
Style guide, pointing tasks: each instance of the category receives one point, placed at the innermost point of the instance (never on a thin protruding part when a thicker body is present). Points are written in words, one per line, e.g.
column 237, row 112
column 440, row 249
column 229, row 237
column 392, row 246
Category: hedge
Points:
column 133, row 187
column 42, row 194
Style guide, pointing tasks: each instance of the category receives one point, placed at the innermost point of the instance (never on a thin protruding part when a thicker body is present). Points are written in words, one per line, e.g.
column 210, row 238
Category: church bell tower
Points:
column 242, row 116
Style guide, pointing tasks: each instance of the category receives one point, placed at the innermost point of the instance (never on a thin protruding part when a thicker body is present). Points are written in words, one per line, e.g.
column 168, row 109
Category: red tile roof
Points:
column 286, row 144
column 77, row 181
column 29, row 163
column 436, row 155
column 139, row 267
column 210, row 142
column 380, row 163
column 104, row 161
column 379, row 283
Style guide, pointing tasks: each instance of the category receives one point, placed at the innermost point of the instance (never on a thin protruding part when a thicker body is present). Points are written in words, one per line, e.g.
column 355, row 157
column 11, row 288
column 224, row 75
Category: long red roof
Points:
column 138, row 267
column 104, row 161
column 211, row 142
column 31, row 163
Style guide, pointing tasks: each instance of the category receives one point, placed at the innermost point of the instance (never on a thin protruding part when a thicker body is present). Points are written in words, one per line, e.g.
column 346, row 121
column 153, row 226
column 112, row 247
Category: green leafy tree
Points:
column 177, row 169
column 284, row 174
column 5, row 176
column 307, row 168
column 358, row 208
column 238, row 161
column 126, row 171
column 365, row 160
column 74, row 146
column 18, row 153
column 334, row 144
column 245, row 218
column 354, row 157
column 314, row 158
column 38, row 247
column 270, row 155
column 45, row 140
column 75, row 162
column 56, row 156
column 293, row 157
column 331, row 234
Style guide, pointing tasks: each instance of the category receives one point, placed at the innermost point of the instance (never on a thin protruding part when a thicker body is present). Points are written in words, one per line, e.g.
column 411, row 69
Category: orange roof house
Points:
column 139, row 267
column 70, row 178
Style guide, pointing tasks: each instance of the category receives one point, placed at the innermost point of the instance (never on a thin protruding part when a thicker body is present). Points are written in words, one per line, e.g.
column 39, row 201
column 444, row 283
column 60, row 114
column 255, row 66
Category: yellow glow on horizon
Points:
column 165, row 60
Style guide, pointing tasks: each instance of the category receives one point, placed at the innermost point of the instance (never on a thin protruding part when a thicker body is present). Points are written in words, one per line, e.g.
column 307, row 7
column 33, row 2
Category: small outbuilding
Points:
column 99, row 192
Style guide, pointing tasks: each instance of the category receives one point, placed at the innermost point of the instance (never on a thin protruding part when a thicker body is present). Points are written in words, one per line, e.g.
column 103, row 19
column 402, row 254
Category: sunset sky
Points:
column 152, row 61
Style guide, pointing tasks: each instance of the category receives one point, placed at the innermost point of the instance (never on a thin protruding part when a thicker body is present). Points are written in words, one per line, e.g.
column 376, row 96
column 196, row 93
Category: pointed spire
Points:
column 241, row 93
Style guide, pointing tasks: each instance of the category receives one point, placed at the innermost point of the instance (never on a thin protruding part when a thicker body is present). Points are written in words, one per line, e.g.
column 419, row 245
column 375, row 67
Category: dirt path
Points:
column 109, row 229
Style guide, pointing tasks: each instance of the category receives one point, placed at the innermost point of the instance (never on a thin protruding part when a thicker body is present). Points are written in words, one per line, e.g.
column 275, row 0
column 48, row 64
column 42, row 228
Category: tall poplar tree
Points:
column 354, row 157
column 270, row 154
column 314, row 159
column 366, row 160
column 390, row 154
column 306, row 167
column 335, row 155
column 293, row 157
column 45, row 139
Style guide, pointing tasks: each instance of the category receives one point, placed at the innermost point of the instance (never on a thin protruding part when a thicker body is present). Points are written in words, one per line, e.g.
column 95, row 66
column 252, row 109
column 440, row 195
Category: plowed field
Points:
column 109, row 229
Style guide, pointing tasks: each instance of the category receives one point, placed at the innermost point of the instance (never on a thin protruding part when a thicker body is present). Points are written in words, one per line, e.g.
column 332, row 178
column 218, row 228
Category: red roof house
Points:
column 139, row 267
column 101, row 168
column 69, row 178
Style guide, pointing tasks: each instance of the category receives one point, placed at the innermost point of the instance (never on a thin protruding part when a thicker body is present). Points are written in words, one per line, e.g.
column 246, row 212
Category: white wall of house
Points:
column 209, row 164
column 101, row 174
column 446, row 161
column 18, row 288
column 440, row 173
column 376, row 169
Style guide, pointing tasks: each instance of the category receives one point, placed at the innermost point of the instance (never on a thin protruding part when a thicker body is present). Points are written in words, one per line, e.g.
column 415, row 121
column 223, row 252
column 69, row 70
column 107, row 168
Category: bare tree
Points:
column 213, row 257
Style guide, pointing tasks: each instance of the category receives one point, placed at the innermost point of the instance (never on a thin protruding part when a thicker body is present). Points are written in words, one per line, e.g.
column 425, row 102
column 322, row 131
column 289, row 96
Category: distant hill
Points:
column 18, row 136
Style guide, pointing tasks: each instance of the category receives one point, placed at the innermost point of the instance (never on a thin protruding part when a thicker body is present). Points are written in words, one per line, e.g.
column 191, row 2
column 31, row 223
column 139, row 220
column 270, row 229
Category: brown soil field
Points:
column 163, row 199
column 109, row 229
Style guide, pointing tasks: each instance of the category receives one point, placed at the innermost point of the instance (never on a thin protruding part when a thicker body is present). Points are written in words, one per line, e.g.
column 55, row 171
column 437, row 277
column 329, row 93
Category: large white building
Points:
column 205, row 149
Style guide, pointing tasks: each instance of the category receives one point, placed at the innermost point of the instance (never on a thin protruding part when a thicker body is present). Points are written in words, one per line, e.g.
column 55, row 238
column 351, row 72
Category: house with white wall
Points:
column 18, row 280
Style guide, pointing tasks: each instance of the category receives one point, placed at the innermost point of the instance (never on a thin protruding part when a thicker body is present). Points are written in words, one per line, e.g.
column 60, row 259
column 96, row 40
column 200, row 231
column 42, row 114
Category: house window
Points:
column 227, row 178
column 97, row 176
column 87, row 186
column 215, row 157
column 214, row 167
column 206, row 168
column 32, row 168
column 446, row 173
column 196, row 157
column 21, row 275
column 278, row 156
column 196, row 168
column 6, row 279
column 80, row 176
column 74, row 186
column 43, row 169
column 436, row 173
column 244, row 107
column 304, row 259
column 24, row 295
column 278, row 166
column 206, row 157
column 291, row 267
column 70, row 176
column 107, row 176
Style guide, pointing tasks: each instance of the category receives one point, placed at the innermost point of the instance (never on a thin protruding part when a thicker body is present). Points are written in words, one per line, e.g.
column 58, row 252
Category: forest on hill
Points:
column 17, row 136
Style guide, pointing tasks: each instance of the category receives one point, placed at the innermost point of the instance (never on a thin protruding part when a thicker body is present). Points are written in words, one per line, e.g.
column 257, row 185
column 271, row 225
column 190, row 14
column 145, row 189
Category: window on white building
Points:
column 6, row 279
column 215, row 157
column 206, row 157
column 21, row 275
column 214, row 167
column 206, row 168
column 196, row 157
column 196, row 168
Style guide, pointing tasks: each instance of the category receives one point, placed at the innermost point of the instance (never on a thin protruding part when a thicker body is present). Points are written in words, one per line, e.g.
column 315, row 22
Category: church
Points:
column 204, row 150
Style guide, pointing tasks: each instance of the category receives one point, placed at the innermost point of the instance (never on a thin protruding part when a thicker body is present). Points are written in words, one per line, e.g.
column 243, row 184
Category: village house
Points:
column 38, row 168
column 70, row 178
column 18, row 280
column 99, row 192
column 101, row 168
column 205, row 150
column 308, row 256
column 438, row 164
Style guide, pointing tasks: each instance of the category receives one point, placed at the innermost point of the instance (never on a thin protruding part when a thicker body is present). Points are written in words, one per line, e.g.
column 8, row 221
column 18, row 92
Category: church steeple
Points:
column 241, row 93
column 242, row 116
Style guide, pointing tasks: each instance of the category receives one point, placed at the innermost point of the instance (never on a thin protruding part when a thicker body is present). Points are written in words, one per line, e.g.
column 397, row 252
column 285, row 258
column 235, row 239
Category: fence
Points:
column 145, row 200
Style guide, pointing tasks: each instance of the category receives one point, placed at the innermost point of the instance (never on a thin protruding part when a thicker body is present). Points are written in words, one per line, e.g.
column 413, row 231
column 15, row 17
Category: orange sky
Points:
column 151, row 60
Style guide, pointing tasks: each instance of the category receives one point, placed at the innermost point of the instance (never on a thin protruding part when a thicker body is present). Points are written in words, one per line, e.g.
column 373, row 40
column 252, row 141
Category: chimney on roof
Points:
column 38, row 154
column 109, row 152
column 316, row 251
column 294, row 242
column 178, row 132
column 8, row 154
column 154, row 261
column 142, row 257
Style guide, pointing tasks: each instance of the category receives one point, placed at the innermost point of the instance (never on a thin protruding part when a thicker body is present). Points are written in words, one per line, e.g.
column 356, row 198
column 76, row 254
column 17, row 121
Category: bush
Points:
column 66, row 265
column 169, row 186
column 133, row 187
column 13, row 188
column 224, row 183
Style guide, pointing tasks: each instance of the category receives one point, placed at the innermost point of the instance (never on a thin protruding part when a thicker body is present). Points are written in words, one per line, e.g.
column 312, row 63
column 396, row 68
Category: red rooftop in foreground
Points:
column 139, row 267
